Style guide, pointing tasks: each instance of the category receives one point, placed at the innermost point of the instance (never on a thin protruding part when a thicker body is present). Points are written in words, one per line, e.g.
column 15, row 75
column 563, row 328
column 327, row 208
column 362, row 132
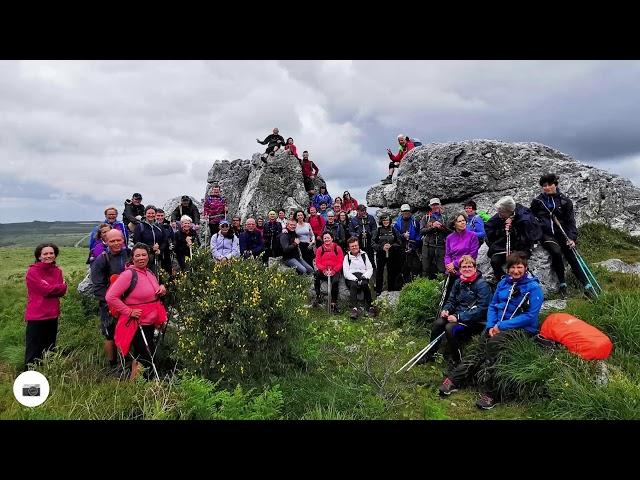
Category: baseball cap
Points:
column 224, row 222
column 185, row 198
column 362, row 208
column 434, row 201
column 405, row 208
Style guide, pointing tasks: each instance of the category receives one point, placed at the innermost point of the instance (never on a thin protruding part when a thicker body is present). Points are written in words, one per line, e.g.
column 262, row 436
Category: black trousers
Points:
column 411, row 266
column 138, row 347
column 307, row 255
column 392, row 272
column 456, row 334
column 489, row 351
column 557, row 247
column 432, row 261
column 40, row 337
column 353, row 293
column 335, row 284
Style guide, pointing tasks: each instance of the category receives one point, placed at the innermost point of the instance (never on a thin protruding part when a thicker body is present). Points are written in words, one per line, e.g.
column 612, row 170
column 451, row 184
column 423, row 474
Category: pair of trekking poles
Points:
column 417, row 357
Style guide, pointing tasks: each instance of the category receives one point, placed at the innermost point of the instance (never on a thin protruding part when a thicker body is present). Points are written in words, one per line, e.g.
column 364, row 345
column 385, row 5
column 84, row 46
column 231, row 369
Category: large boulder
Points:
column 485, row 170
column 252, row 187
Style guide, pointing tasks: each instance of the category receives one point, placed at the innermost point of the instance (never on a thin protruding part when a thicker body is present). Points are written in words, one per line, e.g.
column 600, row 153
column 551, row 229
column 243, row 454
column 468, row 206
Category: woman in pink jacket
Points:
column 140, row 311
column 45, row 286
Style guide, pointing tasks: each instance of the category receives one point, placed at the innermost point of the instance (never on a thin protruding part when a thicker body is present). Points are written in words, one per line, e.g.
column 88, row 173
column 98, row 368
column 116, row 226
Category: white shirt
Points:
column 357, row 265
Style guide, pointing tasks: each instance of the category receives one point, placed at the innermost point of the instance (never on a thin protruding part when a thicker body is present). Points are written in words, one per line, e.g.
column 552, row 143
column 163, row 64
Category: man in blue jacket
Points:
column 514, row 309
column 409, row 229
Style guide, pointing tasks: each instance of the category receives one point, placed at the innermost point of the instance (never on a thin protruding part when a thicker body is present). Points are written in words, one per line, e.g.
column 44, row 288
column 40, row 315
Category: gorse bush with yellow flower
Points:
column 237, row 319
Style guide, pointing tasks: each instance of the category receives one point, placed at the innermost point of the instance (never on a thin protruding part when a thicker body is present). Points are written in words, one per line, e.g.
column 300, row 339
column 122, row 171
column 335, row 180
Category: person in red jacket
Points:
column 317, row 223
column 405, row 146
column 45, row 286
column 291, row 148
column 309, row 172
column 329, row 259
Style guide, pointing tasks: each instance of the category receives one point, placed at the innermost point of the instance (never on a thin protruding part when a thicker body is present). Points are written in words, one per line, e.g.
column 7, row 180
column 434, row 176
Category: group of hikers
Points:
column 329, row 239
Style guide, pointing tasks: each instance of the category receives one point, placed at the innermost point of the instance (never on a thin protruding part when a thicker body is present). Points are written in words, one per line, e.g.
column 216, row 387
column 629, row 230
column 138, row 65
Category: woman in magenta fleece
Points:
column 459, row 243
column 45, row 286
column 140, row 311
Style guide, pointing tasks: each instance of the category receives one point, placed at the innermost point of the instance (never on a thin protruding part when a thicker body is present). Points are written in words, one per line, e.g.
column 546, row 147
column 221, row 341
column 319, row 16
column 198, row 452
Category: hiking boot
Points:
column 263, row 158
column 372, row 311
column 562, row 290
column 447, row 387
column 354, row 313
column 485, row 402
column 386, row 180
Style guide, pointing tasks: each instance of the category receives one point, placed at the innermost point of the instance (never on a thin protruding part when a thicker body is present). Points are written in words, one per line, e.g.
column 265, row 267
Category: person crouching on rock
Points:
column 274, row 142
column 405, row 146
column 329, row 258
column 358, row 270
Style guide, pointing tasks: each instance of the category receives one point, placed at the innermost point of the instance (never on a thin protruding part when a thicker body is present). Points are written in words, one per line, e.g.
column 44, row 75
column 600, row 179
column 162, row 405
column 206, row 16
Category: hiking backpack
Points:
column 578, row 336
column 127, row 292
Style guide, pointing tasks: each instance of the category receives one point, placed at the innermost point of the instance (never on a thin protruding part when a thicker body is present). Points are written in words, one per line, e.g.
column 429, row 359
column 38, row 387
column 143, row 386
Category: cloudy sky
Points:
column 76, row 136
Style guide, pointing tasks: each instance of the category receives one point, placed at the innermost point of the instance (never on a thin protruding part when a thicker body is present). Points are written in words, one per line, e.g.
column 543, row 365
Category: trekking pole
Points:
column 329, row 292
column 517, row 308
column 444, row 293
column 146, row 344
column 581, row 262
column 508, row 242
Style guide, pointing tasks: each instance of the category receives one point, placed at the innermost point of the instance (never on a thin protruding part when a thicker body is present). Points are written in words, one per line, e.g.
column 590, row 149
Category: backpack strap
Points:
column 132, row 285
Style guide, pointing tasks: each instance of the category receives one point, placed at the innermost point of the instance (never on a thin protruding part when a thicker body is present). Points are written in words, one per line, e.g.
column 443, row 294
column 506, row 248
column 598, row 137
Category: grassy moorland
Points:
column 337, row 368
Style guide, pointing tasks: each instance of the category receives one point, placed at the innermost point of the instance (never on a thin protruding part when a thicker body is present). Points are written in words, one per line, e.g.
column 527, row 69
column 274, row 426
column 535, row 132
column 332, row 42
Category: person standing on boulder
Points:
column 405, row 146
column 309, row 172
column 513, row 226
column 549, row 205
column 274, row 142
column 215, row 209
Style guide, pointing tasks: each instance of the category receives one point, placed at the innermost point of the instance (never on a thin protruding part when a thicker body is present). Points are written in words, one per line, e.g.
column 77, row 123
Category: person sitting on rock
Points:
column 358, row 270
column 329, row 258
column 337, row 232
column 317, row 223
column 349, row 204
column 215, row 209
column 187, row 207
column 363, row 226
column 309, row 172
column 434, row 230
column 322, row 196
column 408, row 228
column 274, row 142
column 291, row 254
column 291, row 148
column 186, row 239
column 464, row 313
column 475, row 223
column 513, row 224
column 387, row 244
column 405, row 146
column 225, row 245
column 271, row 234
column 133, row 212
column 549, row 206
column 513, row 311
column 251, row 243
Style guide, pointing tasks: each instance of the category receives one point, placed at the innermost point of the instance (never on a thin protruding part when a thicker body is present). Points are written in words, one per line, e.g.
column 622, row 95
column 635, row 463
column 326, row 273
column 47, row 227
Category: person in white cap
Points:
column 409, row 230
column 434, row 229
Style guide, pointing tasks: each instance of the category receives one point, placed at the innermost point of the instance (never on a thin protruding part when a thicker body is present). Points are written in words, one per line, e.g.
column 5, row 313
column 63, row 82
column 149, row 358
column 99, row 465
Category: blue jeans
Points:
column 300, row 265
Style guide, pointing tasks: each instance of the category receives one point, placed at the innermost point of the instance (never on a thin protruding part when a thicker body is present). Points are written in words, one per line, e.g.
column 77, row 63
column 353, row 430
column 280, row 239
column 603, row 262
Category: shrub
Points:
column 236, row 319
column 418, row 302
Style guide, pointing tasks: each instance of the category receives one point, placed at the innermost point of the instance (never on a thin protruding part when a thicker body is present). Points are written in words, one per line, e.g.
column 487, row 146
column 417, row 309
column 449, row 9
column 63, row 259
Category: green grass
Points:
column 346, row 369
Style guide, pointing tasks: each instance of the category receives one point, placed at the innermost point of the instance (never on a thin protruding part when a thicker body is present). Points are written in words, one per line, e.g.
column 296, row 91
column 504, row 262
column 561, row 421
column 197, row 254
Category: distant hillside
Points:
column 30, row 234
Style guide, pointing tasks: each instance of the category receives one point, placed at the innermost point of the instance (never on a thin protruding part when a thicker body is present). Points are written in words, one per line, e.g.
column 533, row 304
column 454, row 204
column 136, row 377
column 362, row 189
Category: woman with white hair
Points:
column 513, row 228
column 186, row 239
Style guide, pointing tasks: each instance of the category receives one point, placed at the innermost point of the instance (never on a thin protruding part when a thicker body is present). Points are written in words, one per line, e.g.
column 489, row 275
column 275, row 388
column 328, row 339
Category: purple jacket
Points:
column 459, row 244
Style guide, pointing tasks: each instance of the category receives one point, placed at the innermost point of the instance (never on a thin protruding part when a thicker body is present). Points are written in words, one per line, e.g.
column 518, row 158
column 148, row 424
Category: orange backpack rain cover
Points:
column 579, row 337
